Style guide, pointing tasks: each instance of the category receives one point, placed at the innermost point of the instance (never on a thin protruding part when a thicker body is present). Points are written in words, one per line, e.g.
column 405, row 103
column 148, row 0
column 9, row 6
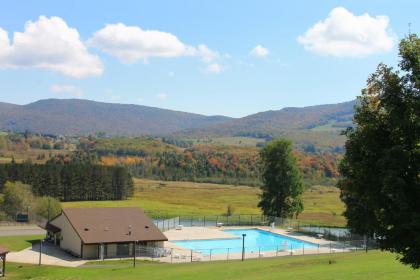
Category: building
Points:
column 92, row 233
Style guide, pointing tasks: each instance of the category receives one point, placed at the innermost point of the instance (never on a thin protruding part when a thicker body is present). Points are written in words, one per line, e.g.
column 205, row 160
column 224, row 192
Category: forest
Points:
column 233, row 160
column 71, row 181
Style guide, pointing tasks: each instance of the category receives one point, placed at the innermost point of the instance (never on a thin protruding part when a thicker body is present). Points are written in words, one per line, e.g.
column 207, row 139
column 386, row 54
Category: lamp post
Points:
column 134, row 253
column 243, row 246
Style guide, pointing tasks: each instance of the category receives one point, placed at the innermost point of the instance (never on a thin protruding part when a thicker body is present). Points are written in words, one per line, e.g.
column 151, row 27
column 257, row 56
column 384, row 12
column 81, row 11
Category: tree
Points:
column 381, row 180
column 17, row 198
column 282, row 183
column 47, row 207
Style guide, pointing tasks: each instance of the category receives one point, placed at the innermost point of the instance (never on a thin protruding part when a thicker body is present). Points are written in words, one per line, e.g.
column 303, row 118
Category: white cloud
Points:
column 67, row 89
column 131, row 44
column 162, row 96
column 215, row 68
column 50, row 44
column 344, row 34
column 260, row 51
column 206, row 54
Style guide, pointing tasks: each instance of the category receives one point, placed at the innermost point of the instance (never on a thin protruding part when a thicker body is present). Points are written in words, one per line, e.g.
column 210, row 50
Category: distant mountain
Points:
column 82, row 117
column 319, row 124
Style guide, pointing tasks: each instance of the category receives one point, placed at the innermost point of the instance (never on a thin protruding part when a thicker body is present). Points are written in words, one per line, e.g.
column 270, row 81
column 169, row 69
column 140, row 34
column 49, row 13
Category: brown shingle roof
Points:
column 113, row 224
column 3, row 250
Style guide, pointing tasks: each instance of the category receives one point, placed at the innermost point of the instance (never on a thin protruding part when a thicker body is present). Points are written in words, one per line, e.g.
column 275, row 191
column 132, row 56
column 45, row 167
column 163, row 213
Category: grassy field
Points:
column 20, row 242
column 322, row 204
column 373, row 265
column 230, row 141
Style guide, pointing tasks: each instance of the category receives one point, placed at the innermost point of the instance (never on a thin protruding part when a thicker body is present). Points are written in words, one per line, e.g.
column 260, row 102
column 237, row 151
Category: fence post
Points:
column 191, row 254
column 291, row 249
column 191, row 220
column 227, row 254
column 259, row 252
column 204, row 221
column 239, row 220
column 251, row 221
column 318, row 248
column 277, row 251
column 217, row 220
column 330, row 247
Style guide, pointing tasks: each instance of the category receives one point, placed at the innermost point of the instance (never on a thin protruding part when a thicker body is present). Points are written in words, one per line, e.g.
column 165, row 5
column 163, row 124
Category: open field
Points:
column 230, row 141
column 322, row 204
column 20, row 242
column 373, row 265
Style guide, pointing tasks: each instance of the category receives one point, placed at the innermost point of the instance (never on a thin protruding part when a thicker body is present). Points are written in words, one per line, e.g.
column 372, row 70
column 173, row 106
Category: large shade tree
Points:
column 282, row 184
column 381, row 166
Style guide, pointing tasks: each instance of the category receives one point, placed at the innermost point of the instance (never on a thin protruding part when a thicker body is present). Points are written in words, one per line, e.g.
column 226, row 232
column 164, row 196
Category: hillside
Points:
column 320, row 125
column 314, row 125
column 82, row 117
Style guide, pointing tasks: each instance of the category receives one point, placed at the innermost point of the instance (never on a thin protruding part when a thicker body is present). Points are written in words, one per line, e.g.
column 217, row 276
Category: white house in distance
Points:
column 92, row 233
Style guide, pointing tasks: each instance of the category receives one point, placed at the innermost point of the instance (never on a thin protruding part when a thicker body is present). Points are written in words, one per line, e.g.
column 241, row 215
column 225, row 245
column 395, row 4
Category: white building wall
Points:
column 69, row 239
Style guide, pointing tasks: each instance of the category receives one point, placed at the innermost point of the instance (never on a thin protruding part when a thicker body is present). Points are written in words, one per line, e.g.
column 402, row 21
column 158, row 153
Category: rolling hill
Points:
column 319, row 125
column 82, row 117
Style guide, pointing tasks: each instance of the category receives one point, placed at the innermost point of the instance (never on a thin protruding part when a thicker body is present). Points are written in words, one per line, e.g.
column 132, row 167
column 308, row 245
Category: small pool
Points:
column 255, row 240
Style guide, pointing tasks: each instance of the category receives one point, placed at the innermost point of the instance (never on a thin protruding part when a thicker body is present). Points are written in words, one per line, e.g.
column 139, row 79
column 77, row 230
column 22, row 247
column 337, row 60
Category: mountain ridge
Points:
column 82, row 117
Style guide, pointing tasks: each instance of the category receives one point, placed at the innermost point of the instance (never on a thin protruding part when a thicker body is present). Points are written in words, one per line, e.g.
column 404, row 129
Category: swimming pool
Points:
column 255, row 240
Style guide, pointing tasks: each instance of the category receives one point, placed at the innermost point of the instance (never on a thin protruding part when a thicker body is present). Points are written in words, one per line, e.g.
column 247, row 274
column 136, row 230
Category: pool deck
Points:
column 181, row 254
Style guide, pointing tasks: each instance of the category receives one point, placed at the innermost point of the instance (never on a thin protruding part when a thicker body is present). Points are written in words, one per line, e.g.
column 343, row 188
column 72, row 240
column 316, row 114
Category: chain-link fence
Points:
column 324, row 231
column 180, row 255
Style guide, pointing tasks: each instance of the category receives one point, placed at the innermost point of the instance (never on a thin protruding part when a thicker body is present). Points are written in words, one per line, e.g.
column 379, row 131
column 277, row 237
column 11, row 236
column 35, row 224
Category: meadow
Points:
column 371, row 265
column 168, row 198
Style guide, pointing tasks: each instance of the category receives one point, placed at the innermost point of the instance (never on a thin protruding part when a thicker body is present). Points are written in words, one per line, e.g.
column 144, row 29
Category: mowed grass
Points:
column 19, row 242
column 322, row 204
column 373, row 265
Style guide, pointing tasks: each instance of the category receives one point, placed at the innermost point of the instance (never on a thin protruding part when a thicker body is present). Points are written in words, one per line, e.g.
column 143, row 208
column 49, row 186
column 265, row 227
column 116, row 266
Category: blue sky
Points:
column 202, row 56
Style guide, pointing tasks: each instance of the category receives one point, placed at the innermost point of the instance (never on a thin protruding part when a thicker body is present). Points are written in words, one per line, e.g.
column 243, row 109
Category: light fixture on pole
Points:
column 243, row 246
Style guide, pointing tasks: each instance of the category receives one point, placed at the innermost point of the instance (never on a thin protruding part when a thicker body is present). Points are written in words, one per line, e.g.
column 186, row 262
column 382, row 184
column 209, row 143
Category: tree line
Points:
column 70, row 181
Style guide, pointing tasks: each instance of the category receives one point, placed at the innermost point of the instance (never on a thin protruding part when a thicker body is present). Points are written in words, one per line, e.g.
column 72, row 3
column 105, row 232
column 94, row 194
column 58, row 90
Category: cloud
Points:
column 260, row 51
column 343, row 34
column 50, row 44
column 215, row 68
column 206, row 54
column 67, row 89
column 161, row 96
column 131, row 44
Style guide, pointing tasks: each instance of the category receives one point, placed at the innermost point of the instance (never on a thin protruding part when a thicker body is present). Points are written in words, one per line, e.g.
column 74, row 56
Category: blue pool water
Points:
column 255, row 240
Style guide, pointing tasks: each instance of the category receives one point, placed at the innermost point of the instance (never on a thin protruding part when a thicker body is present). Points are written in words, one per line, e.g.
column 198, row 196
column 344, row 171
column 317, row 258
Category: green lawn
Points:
column 322, row 204
column 20, row 242
column 373, row 265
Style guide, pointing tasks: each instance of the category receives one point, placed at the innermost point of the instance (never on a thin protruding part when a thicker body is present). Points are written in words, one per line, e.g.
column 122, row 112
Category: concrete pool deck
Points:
column 202, row 233
column 181, row 254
